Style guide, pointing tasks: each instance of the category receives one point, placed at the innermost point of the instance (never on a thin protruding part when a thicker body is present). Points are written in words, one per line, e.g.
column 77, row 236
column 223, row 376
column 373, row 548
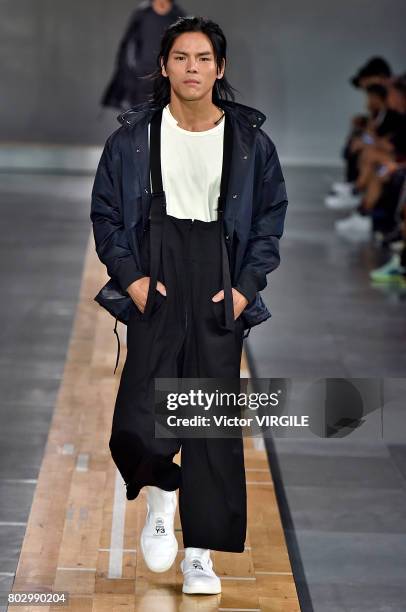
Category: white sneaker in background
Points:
column 342, row 187
column 354, row 227
column 397, row 247
column 342, row 201
column 198, row 574
column 158, row 541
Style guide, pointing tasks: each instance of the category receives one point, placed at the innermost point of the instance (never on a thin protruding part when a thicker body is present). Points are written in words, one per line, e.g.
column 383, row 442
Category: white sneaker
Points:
column 397, row 247
column 342, row 187
column 354, row 227
column 159, row 545
column 342, row 201
column 198, row 574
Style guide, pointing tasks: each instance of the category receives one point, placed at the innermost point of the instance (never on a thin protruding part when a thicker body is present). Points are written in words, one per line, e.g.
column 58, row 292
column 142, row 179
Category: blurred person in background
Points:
column 381, row 151
column 376, row 71
column 137, row 52
column 376, row 144
column 393, row 174
column 343, row 194
column 394, row 270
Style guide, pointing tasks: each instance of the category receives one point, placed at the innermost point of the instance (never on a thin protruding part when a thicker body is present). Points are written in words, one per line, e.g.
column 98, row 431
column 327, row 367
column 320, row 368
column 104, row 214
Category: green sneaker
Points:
column 391, row 272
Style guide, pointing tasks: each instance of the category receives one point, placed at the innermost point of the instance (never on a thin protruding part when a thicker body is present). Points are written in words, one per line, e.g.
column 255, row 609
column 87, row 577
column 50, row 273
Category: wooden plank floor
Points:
column 82, row 534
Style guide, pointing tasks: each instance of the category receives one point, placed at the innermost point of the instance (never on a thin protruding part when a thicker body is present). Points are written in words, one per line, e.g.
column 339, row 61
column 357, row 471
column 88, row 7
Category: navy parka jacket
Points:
column 254, row 209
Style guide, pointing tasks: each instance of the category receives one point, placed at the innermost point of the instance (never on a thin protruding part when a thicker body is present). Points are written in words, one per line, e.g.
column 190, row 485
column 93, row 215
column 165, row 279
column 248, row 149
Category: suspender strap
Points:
column 158, row 209
column 155, row 152
column 225, row 176
column 225, row 171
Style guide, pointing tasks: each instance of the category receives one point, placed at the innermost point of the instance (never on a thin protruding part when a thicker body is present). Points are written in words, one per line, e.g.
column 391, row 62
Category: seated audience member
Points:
column 375, row 71
column 342, row 194
column 381, row 154
column 395, row 269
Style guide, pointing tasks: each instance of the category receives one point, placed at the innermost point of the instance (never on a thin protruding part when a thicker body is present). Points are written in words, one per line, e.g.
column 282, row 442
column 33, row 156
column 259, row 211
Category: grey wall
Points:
column 289, row 58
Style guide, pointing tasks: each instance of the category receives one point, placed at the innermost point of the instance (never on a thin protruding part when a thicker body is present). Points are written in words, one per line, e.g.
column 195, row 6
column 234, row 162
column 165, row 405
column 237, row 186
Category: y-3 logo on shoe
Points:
column 196, row 564
column 160, row 527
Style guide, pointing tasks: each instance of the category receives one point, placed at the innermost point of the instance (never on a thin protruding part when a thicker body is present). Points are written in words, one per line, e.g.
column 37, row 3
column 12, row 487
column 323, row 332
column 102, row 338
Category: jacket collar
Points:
column 247, row 120
column 246, row 115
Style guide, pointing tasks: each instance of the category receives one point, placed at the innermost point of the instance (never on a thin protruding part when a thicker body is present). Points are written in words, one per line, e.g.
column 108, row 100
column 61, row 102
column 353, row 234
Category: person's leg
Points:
column 373, row 192
column 369, row 159
column 403, row 229
column 352, row 168
column 141, row 458
column 152, row 344
column 212, row 494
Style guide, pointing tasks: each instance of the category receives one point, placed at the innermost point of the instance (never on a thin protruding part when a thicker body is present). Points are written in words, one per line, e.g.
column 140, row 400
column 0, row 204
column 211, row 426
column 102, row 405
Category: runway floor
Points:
column 82, row 534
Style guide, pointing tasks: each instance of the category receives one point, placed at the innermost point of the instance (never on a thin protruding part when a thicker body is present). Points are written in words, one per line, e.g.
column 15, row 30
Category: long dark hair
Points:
column 222, row 90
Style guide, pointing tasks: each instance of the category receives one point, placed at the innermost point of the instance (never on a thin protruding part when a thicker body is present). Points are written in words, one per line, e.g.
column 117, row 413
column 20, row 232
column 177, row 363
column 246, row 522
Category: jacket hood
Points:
column 241, row 112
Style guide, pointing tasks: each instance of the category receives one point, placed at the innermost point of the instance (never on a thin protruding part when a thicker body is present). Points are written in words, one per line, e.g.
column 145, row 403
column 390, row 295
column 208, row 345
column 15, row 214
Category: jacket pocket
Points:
column 159, row 301
column 219, row 315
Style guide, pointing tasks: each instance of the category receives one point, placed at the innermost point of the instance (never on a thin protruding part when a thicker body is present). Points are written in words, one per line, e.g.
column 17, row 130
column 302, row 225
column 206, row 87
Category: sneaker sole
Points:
column 202, row 590
column 395, row 278
column 348, row 230
column 348, row 206
column 351, row 235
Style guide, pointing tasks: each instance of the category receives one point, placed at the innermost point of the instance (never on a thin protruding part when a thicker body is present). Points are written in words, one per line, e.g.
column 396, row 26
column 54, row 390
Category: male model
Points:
column 188, row 207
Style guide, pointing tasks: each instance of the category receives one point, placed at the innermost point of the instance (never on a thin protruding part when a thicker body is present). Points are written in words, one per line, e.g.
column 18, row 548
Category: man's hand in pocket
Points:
column 138, row 291
column 239, row 301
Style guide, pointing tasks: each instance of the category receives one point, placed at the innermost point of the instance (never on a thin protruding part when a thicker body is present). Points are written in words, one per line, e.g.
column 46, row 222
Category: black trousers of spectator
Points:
column 184, row 336
column 351, row 163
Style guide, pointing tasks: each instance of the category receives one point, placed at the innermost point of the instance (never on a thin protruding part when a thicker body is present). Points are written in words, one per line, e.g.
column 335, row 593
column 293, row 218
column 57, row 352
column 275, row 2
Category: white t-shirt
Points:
column 191, row 165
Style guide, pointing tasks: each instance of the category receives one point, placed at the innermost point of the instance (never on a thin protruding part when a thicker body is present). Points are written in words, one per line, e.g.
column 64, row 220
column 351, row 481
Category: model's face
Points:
column 191, row 66
column 162, row 6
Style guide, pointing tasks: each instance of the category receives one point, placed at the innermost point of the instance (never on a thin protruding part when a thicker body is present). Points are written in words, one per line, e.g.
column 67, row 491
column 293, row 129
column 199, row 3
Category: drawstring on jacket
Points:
column 118, row 347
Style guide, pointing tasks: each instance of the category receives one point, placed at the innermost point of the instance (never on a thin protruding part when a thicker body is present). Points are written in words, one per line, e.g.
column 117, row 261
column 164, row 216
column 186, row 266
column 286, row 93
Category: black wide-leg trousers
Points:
column 184, row 336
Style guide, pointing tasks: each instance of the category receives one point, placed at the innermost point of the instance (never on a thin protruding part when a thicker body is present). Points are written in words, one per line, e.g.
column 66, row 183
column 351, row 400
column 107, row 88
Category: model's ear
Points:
column 220, row 73
column 163, row 71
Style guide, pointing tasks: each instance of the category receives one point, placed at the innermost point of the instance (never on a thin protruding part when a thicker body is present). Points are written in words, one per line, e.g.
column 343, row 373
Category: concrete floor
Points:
column 327, row 319
column 343, row 505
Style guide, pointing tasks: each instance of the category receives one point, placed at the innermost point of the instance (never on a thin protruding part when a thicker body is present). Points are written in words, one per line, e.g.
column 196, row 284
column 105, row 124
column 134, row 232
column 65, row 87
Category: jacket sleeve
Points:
column 112, row 246
column 262, row 253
